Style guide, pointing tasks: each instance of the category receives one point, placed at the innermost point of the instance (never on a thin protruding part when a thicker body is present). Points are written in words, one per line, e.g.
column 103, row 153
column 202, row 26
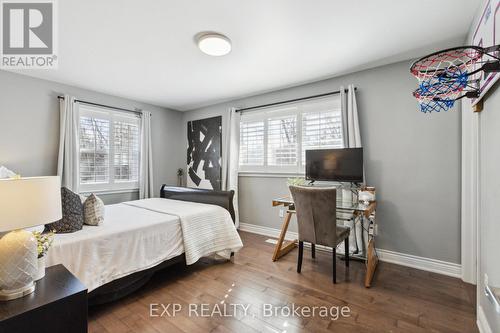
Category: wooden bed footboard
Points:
column 223, row 199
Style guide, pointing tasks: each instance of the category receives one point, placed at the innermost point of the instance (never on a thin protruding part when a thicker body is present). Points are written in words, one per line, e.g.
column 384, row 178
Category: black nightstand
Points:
column 58, row 305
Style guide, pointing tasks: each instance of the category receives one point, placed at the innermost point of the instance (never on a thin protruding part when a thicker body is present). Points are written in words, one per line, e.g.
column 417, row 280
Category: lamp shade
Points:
column 28, row 202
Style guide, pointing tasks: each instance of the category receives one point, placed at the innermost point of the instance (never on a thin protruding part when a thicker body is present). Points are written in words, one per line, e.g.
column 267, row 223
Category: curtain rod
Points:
column 103, row 105
column 292, row 100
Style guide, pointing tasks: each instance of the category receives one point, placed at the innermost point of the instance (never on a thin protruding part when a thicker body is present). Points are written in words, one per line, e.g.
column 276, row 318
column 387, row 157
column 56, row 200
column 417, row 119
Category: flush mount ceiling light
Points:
column 214, row 44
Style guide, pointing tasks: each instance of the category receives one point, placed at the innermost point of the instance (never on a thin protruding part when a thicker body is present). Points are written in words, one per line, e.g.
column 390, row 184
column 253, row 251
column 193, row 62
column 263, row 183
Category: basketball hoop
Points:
column 445, row 76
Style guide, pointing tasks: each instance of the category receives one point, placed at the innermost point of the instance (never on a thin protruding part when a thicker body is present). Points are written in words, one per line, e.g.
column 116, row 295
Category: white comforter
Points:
column 131, row 239
column 140, row 234
column 206, row 229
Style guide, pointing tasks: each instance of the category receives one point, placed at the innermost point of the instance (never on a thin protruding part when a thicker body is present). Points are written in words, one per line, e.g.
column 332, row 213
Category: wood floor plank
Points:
column 401, row 299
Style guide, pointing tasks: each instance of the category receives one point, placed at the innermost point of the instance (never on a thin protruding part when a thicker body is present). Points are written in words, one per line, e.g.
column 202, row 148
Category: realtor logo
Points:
column 28, row 34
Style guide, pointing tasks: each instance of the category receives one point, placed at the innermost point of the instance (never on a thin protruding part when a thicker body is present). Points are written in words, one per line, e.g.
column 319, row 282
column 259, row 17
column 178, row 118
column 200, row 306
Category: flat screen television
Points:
column 341, row 165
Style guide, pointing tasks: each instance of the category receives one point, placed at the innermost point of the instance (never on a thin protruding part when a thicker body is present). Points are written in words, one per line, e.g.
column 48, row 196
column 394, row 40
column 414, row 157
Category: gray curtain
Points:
column 350, row 119
column 352, row 139
column 67, row 162
column 230, row 157
column 146, row 184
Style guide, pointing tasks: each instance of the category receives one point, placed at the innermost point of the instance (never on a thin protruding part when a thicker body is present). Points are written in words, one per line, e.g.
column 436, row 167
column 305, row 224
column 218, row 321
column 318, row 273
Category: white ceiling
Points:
column 145, row 50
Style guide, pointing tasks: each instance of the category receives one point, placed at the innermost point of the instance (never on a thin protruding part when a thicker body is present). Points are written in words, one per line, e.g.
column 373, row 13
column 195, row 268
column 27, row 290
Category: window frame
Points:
column 267, row 113
column 112, row 115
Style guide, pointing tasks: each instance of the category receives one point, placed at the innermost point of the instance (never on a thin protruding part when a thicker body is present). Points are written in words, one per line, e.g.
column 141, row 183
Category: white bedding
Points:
column 131, row 239
column 206, row 229
column 137, row 235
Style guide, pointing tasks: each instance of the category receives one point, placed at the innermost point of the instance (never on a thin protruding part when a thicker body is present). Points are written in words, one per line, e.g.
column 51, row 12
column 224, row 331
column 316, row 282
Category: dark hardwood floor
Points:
column 401, row 300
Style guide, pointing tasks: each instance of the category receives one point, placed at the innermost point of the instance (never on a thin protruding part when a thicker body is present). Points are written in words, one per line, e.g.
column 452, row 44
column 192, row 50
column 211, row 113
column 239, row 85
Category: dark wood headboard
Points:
column 223, row 199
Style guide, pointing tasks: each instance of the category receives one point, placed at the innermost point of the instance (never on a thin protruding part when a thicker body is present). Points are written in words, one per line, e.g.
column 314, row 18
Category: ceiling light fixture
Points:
column 214, row 44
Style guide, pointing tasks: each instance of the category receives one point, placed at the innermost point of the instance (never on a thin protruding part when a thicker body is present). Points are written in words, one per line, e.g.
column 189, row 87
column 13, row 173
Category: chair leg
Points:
column 346, row 244
column 313, row 250
column 299, row 259
column 334, row 265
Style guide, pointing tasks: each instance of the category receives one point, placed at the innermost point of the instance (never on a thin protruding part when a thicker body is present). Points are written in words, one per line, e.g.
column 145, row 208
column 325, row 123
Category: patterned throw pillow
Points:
column 93, row 210
column 72, row 213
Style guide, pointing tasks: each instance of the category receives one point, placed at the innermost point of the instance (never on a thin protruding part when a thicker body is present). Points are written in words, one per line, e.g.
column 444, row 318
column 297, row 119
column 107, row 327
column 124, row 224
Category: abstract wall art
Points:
column 204, row 153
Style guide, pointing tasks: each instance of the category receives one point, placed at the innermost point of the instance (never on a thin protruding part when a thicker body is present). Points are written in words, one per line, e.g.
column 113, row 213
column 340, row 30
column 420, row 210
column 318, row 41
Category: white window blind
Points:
column 94, row 149
column 252, row 143
column 126, row 150
column 109, row 149
column 321, row 127
column 282, row 141
column 275, row 139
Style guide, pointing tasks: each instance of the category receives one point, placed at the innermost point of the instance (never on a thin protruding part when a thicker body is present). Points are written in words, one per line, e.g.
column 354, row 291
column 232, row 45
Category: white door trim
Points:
column 470, row 192
column 482, row 322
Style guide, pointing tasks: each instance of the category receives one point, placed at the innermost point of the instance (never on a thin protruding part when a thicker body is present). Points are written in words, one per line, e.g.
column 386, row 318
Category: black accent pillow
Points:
column 72, row 213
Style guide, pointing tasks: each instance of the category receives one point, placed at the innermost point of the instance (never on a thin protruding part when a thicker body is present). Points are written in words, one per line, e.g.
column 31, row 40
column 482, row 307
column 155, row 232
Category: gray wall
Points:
column 29, row 129
column 413, row 159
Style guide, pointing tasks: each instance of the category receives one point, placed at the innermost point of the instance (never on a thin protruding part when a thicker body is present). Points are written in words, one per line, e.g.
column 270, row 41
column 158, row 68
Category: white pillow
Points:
column 93, row 210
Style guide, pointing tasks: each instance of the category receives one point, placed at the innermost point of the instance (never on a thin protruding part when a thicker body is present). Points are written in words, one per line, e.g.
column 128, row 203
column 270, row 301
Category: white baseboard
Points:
column 266, row 231
column 482, row 322
column 425, row 264
column 403, row 259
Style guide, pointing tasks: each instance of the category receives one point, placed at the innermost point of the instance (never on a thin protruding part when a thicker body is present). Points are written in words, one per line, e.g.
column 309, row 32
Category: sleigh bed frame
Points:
column 126, row 285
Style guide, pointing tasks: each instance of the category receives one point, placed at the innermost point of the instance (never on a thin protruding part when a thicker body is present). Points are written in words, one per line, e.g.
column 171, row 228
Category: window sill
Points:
column 104, row 192
column 263, row 174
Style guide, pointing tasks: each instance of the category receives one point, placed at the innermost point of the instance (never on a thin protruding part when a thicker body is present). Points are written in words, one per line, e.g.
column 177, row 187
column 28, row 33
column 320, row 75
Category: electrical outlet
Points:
column 375, row 229
column 282, row 213
column 485, row 279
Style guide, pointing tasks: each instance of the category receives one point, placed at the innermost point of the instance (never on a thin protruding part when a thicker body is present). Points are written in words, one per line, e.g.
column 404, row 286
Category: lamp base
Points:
column 7, row 295
column 18, row 264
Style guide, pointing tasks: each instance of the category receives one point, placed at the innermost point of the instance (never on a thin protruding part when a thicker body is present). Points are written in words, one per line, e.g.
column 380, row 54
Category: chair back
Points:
column 316, row 214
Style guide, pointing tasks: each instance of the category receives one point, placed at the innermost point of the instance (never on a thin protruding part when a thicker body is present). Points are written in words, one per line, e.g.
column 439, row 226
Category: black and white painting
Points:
column 204, row 153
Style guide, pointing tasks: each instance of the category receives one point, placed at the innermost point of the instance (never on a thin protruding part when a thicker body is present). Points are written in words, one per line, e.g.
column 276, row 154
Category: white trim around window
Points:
column 274, row 139
column 109, row 140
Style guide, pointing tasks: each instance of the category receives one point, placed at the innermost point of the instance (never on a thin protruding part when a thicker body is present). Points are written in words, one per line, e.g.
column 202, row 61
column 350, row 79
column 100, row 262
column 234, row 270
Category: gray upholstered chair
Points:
column 317, row 221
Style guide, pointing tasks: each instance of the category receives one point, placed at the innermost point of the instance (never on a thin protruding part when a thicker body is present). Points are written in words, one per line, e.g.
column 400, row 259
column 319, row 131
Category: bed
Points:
column 141, row 237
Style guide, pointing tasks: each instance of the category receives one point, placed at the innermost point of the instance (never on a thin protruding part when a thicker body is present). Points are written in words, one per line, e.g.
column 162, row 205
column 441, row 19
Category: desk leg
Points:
column 281, row 250
column 371, row 263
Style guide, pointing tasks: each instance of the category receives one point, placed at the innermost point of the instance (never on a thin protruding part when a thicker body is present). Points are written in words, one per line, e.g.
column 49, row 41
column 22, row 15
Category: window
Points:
column 276, row 139
column 109, row 149
column 252, row 143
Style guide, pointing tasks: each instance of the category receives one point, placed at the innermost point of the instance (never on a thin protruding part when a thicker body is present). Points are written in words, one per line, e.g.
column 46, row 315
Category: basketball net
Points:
column 442, row 77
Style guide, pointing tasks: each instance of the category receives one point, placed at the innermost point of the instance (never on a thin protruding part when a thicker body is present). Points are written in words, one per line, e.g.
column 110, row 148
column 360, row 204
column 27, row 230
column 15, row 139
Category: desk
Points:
column 355, row 208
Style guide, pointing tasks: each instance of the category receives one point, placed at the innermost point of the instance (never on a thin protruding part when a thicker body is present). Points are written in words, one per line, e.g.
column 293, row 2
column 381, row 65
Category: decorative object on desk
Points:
column 72, row 213
column 24, row 203
column 93, row 210
column 367, row 195
column 180, row 174
column 44, row 242
column 204, row 158
column 296, row 181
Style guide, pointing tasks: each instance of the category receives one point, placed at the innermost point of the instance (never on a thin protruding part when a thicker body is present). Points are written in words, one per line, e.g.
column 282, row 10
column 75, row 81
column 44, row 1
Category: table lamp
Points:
column 24, row 203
